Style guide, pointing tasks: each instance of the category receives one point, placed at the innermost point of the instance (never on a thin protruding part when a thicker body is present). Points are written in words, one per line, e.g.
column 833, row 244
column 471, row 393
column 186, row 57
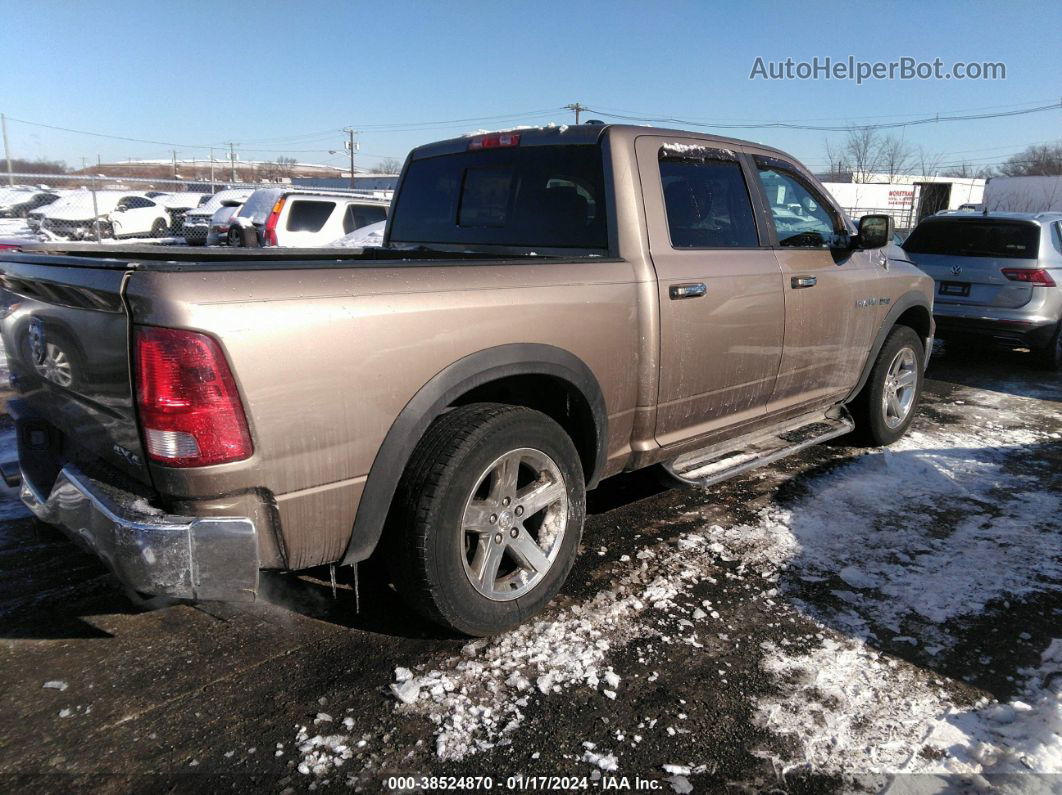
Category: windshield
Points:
column 535, row 197
column 975, row 238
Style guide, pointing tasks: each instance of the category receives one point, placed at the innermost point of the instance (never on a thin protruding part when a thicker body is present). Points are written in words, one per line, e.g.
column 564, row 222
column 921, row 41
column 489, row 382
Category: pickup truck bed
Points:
column 550, row 308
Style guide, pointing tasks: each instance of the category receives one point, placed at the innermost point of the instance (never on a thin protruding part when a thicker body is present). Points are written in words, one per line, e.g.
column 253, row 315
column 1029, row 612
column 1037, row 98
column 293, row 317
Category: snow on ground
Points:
column 906, row 539
column 16, row 228
column 853, row 709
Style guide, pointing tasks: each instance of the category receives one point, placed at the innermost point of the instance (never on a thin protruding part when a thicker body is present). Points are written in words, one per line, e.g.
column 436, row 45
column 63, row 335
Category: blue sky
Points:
column 283, row 78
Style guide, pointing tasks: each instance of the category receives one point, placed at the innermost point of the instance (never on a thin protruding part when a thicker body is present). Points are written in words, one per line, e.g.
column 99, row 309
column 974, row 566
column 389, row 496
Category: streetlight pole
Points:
column 352, row 146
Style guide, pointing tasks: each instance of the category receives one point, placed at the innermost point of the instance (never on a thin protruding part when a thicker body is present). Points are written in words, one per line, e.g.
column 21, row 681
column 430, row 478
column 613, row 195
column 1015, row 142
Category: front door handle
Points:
column 800, row 282
column 677, row 291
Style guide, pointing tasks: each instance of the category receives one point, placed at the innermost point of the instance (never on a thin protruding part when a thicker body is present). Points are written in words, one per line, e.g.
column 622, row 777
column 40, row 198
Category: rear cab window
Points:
column 987, row 237
column 548, row 196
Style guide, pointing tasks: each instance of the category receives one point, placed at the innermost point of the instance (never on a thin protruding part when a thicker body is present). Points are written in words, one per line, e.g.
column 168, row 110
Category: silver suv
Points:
column 998, row 275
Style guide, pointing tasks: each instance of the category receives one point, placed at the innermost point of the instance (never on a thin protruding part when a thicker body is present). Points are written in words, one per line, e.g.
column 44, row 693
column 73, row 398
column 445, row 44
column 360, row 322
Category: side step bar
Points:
column 716, row 463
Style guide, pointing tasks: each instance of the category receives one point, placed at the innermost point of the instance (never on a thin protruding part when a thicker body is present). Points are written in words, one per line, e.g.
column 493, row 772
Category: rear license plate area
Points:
column 961, row 289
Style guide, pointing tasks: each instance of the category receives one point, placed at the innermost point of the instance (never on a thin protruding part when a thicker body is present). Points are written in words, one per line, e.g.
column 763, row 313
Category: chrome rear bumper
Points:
column 206, row 558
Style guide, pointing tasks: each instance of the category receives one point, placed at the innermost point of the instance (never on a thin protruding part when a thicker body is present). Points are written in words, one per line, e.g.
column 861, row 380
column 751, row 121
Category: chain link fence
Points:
column 121, row 209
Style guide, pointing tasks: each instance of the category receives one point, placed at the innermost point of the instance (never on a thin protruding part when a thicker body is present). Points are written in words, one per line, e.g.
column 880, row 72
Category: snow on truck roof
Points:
column 583, row 134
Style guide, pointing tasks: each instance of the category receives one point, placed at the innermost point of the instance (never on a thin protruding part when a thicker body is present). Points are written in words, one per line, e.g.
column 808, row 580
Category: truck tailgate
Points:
column 66, row 332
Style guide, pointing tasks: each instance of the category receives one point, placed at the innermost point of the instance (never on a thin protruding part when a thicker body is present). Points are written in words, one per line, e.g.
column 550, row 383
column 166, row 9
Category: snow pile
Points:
column 854, row 711
column 933, row 528
column 321, row 753
column 478, row 699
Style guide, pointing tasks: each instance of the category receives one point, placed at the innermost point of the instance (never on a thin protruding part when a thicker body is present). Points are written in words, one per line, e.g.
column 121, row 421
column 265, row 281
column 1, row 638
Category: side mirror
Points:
column 875, row 231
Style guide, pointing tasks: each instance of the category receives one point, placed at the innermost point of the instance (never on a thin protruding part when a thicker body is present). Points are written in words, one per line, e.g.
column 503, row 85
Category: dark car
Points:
column 20, row 202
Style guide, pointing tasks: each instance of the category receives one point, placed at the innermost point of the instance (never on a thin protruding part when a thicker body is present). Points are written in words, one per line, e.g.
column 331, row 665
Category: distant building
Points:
column 361, row 181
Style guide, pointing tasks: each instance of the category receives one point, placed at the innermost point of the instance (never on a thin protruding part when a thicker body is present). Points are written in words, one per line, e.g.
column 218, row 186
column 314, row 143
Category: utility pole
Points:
column 232, row 160
column 174, row 153
column 7, row 150
column 211, row 168
column 575, row 106
column 352, row 146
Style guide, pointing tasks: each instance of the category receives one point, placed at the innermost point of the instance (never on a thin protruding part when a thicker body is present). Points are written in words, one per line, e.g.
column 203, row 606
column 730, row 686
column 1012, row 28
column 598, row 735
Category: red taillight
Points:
column 8, row 247
column 1037, row 276
column 494, row 141
column 189, row 406
column 271, row 223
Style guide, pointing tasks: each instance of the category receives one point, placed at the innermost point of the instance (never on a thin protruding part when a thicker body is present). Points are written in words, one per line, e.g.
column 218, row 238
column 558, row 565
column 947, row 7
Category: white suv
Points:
column 304, row 219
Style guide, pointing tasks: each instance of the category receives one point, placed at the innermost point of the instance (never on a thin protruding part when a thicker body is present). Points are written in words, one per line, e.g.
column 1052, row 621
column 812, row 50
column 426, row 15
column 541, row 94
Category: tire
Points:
column 1049, row 356
column 159, row 228
column 454, row 482
column 235, row 238
column 878, row 423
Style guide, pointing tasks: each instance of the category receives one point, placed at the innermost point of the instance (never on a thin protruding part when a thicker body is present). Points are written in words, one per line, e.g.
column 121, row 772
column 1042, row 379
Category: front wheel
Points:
column 487, row 518
column 159, row 228
column 886, row 407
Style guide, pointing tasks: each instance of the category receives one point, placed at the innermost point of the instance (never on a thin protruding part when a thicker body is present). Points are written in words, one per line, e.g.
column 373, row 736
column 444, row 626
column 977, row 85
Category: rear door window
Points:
column 359, row 215
column 975, row 238
column 534, row 196
column 707, row 201
column 259, row 204
column 309, row 215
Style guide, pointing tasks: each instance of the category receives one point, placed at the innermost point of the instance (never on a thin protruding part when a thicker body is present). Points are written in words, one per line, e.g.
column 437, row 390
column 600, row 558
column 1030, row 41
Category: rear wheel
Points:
column 1049, row 356
column 886, row 407
column 487, row 518
column 159, row 228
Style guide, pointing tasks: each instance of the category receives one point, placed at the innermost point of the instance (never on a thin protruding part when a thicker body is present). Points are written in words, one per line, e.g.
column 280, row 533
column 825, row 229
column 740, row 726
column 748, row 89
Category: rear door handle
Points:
column 677, row 291
column 800, row 282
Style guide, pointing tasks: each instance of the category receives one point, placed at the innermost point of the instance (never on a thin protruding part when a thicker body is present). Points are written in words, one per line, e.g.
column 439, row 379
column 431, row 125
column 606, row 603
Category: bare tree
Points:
column 837, row 170
column 966, row 170
column 894, row 156
column 928, row 162
column 862, row 151
column 389, row 165
column 1038, row 160
column 282, row 168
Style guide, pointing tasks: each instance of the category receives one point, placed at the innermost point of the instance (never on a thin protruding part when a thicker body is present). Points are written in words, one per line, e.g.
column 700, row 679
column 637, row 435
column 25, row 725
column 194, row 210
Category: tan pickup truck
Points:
column 550, row 307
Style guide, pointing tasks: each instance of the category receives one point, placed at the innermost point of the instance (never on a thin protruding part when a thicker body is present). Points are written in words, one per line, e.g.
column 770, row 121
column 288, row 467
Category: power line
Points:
column 935, row 119
column 839, row 118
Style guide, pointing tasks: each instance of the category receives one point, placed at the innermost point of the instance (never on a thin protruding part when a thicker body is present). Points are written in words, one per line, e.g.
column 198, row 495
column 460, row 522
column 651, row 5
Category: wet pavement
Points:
column 213, row 697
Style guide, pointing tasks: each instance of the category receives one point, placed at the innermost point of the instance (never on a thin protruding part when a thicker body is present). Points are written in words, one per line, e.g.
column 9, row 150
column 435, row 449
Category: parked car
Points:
column 197, row 222
column 76, row 215
column 20, row 202
column 220, row 223
column 306, row 219
column 178, row 204
column 998, row 276
column 136, row 215
column 551, row 307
